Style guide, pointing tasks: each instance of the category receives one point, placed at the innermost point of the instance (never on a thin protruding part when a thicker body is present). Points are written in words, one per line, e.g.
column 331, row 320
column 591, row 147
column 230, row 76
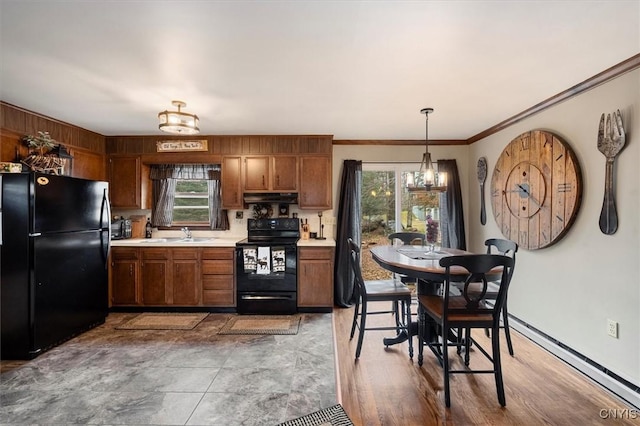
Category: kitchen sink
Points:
column 193, row 240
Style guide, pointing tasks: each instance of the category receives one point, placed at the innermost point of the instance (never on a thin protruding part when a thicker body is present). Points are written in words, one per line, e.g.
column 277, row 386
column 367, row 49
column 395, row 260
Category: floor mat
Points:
column 163, row 321
column 332, row 416
column 261, row 324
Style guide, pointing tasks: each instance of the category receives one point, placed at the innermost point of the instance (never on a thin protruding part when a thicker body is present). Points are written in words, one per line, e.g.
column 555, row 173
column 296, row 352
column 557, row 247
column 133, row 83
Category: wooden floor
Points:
column 385, row 387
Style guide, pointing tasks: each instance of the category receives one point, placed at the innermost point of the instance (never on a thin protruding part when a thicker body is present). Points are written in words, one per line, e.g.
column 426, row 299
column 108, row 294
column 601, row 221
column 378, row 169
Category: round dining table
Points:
column 418, row 262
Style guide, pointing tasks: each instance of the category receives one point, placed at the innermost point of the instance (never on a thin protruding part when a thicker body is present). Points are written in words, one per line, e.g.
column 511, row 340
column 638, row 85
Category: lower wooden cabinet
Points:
column 162, row 276
column 186, row 277
column 154, row 276
column 124, row 276
column 315, row 277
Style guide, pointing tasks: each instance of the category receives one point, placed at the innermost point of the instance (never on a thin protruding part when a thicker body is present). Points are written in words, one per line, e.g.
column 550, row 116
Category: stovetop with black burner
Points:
column 283, row 230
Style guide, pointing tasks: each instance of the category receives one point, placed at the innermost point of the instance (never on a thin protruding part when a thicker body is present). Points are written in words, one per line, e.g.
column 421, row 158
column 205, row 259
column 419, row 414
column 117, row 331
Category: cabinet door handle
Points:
column 262, row 180
column 130, row 270
column 278, row 180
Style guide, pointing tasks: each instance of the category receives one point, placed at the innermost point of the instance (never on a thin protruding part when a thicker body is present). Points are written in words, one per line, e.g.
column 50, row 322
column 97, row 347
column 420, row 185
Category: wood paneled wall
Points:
column 221, row 145
column 86, row 147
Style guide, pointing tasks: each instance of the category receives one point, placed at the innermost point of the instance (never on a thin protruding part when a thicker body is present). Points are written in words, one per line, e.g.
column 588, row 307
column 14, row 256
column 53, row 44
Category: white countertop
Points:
column 209, row 242
column 174, row 242
column 329, row 242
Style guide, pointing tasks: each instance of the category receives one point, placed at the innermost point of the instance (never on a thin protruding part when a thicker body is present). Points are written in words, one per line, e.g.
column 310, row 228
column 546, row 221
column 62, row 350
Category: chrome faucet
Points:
column 187, row 232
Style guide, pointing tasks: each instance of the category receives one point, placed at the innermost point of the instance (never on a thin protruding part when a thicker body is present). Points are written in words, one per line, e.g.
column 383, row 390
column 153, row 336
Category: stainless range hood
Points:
column 271, row 197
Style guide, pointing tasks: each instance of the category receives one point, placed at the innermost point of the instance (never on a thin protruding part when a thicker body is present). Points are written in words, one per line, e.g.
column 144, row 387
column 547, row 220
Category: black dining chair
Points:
column 506, row 248
column 378, row 291
column 458, row 315
column 407, row 238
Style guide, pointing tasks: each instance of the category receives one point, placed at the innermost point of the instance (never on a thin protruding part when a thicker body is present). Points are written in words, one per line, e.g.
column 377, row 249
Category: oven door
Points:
column 266, row 289
column 267, row 303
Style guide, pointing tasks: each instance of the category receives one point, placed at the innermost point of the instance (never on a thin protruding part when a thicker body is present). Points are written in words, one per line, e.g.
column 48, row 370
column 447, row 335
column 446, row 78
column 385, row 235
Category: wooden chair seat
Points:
column 378, row 290
column 433, row 303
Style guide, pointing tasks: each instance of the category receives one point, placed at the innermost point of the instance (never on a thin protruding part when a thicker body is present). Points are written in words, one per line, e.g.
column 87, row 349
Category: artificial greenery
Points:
column 43, row 142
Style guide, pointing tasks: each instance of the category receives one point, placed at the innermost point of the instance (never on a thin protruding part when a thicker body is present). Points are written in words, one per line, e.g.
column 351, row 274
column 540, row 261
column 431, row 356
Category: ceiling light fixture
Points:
column 178, row 122
column 427, row 178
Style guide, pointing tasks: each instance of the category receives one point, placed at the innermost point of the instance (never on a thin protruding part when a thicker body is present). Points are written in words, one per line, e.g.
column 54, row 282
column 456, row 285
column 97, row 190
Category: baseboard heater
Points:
column 621, row 387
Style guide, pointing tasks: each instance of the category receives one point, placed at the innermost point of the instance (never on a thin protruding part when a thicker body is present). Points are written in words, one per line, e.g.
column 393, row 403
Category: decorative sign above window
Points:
column 182, row 145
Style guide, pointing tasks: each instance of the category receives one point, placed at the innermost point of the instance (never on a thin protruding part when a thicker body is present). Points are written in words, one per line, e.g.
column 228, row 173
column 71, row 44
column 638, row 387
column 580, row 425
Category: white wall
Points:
column 570, row 289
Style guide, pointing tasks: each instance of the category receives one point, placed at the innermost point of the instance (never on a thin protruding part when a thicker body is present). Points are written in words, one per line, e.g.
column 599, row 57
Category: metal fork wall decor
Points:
column 611, row 140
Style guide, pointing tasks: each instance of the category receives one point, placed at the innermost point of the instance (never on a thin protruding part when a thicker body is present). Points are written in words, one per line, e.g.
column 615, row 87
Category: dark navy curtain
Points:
column 348, row 226
column 451, row 214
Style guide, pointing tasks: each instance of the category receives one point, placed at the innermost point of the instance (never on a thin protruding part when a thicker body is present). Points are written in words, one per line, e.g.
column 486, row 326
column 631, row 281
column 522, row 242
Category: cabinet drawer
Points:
column 315, row 253
column 218, row 267
column 155, row 253
column 124, row 253
column 217, row 253
column 185, row 253
column 217, row 282
column 217, row 297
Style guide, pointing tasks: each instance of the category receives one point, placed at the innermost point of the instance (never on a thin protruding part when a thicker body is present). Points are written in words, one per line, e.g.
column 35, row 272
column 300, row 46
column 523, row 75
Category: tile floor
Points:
column 193, row 377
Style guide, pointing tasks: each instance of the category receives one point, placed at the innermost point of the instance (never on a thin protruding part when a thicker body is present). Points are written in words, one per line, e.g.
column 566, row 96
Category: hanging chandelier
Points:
column 178, row 122
column 427, row 178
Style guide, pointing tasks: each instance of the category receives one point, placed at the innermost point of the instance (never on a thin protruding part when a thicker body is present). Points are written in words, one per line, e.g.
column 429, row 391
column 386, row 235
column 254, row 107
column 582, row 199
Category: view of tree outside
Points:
column 387, row 207
column 191, row 205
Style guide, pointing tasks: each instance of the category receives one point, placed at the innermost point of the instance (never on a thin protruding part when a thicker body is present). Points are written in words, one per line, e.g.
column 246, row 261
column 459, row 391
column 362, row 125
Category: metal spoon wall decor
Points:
column 611, row 140
column 482, row 176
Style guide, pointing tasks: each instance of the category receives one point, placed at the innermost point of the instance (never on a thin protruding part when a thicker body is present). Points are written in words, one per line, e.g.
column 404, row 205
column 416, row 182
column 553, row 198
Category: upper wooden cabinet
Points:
column 271, row 173
column 315, row 182
column 231, row 182
column 128, row 183
column 256, row 174
column 284, row 176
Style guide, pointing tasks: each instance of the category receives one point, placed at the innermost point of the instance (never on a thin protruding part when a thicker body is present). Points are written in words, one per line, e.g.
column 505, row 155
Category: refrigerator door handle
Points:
column 105, row 228
column 105, row 208
column 35, row 234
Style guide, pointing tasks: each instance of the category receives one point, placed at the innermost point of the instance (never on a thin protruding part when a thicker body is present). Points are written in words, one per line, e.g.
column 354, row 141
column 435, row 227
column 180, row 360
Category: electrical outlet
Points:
column 612, row 328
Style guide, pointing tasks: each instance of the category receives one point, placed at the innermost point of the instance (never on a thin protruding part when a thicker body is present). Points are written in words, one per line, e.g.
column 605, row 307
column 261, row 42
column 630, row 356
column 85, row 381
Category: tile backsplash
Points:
column 238, row 227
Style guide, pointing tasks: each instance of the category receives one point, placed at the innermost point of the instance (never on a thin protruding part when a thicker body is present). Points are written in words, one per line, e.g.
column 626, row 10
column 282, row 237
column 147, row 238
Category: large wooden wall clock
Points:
column 536, row 189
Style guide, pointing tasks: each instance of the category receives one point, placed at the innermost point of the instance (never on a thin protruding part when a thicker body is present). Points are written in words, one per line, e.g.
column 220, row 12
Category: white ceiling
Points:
column 353, row 69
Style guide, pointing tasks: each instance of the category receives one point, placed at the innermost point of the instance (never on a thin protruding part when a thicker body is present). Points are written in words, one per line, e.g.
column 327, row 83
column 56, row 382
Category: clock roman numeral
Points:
column 495, row 193
column 560, row 218
column 559, row 157
column 565, row 187
column 525, row 143
column 523, row 236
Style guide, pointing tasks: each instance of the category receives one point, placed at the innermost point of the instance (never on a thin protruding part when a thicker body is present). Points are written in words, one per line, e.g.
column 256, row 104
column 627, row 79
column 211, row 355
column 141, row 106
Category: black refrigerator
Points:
column 54, row 271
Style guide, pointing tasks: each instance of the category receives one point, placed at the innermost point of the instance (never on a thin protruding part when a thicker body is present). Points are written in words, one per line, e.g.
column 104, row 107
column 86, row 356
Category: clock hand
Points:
column 531, row 197
column 523, row 189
